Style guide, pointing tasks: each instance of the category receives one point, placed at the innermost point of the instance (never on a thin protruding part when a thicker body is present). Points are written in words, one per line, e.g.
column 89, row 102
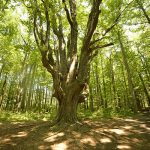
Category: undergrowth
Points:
column 31, row 116
column 105, row 113
column 26, row 116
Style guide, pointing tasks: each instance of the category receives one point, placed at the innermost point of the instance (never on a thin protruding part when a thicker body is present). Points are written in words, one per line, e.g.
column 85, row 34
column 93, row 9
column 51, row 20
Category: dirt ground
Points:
column 113, row 134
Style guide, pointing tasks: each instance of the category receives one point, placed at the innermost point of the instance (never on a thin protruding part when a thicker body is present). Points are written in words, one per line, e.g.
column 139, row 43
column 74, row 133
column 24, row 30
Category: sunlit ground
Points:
column 112, row 134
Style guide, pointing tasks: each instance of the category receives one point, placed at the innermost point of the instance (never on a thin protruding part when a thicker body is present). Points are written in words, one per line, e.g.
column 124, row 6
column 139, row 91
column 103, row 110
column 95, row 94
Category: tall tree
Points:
column 67, row 62
column 129, row 75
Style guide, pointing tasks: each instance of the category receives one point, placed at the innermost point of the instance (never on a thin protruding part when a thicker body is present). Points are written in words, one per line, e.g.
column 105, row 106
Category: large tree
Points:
column 56, row 31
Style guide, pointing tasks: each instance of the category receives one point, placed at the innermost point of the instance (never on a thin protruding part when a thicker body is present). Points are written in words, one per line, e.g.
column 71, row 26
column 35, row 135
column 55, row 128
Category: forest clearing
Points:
column 74, row 74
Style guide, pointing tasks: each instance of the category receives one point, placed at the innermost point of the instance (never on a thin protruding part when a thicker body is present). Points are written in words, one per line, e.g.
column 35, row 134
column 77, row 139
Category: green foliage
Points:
column 105, row 113
column 28, row 116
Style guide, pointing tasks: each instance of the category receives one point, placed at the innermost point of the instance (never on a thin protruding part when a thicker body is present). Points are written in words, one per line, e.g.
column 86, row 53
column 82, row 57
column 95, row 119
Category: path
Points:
column 113, row 134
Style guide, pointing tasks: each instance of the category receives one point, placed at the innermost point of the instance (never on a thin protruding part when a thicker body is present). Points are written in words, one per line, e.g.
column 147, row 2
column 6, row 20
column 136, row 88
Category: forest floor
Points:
column 132, row 133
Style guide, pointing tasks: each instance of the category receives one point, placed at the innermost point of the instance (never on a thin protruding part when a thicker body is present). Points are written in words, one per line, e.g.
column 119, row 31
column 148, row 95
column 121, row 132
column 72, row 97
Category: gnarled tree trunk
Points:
column 68, row 102
column 67, row 111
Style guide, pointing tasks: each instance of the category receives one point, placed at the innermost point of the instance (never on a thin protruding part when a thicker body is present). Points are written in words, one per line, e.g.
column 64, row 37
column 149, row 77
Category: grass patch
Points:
column 104, row 113
column 33, row 116
column 27, row 116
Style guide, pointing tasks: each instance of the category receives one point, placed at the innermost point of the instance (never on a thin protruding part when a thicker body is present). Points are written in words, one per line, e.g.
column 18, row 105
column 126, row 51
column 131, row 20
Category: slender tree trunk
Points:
column 3, row 90
column 145, row 89
column 8, row 105
column 91, row 105
column 129, row 76
column 104, row 84
column 28, row 103
column 112, row 78
column 98, row 87
column 144, row 62
column 127, row 102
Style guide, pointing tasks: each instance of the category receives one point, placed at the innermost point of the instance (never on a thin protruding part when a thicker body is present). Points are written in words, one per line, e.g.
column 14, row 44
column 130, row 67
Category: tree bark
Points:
column 67, row 108
column 67, row 111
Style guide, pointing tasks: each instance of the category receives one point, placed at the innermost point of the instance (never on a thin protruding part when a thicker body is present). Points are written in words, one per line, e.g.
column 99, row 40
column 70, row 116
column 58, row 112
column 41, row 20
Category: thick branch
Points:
column 71, row 17
column 38, row 33
column 72, row 69
column 62, row 49
column 47, row 22
column 42, row 39
column 85, row 50
column 45, row 62
column 35, row 30
column 92, row 23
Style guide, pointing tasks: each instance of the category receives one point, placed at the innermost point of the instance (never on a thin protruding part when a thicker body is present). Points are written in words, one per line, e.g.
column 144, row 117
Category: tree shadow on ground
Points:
column 132, row 133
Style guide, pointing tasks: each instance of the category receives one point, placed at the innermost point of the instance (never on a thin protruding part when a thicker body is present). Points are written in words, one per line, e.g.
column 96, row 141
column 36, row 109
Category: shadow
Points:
column 112, row 134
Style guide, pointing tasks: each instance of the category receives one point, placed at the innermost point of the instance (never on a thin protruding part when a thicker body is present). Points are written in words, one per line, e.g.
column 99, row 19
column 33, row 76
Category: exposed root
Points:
column 63, row 126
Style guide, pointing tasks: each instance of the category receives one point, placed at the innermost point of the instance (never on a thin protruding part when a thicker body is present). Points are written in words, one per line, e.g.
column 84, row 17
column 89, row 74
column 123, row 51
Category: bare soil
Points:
column 112, row 134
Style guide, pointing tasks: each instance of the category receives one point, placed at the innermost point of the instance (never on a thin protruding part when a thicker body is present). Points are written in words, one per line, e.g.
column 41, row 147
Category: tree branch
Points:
column 67, row 13
column 144, row 11
column 35, row 31
column 85, row 50
column 3, row 7
column 47, row 22
column 92, row 23
column 112, row 26
column 101, row 46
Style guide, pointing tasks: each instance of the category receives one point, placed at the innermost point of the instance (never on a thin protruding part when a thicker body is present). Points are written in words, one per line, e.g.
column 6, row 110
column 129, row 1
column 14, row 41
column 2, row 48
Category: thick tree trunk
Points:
column 68, row 103
column 67, row 112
